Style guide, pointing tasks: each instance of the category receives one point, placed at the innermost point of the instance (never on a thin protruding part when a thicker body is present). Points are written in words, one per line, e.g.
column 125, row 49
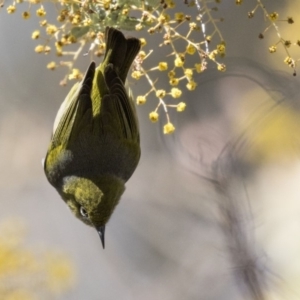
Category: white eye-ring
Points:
column 83, row 212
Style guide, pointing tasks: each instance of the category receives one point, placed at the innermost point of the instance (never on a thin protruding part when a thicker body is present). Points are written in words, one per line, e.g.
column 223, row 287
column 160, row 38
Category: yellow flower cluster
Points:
column 40, row 12
column 160, row 93
column 188, row 73
column 272, row 49
column 136, row 75
column 52, row 65
column 176, row 93
column 153, row 116
column 178, row 62
column 76, row 74
column 162, row 66
column 39, row 48
column 273, row 20
column 26, row 15
column 35, row 35
column 174, row 81
column 181, row 106
column 221, row 67
column 191, row 49
column 289, row 61
column 11, row 9
column 169, row 128
column 195, row 30
column 273, row 16
column 179, row 17
column 141, row 100
column 191, row 85
column 51, row 29
column 84, row 25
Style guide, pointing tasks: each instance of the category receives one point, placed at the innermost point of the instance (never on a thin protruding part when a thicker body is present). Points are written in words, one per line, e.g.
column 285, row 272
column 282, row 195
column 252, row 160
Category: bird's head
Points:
column 93, row 203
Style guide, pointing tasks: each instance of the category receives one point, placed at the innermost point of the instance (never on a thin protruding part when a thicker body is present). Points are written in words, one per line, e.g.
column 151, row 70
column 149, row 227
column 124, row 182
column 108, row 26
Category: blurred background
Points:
column 212, row 211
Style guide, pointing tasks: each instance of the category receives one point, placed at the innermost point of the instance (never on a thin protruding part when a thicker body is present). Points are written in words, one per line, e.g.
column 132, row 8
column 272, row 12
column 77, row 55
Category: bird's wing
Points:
column 119, row 106
column 74, row 111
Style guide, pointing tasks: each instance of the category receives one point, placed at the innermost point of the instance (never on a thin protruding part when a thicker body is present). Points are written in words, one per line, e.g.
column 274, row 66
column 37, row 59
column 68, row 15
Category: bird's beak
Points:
column 101, row 231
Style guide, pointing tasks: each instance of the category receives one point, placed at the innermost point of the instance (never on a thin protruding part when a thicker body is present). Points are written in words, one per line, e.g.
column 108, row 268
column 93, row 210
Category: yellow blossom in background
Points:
column 174, row 81
column 221, row 48
column 287, row 44
column 52, row 65
column 41, row 12
column 191, row 36
column 276, row 138
column 59, row 51
column 181, row 106
column 141, row 100
column 39, row 49
column 51, row 29
column 35, row 35
column 139, row 27
column 60, row 273
column 179, row 17
column 190, row 49
column 136, row 74
column 188, row 73
column 164, row 18
column 83, row 25
column 153, row 116
column 76, row 74
column 11, row 9
column 160, row 93
column 289, row 61
column 221, row 67
column 125, row 12
column 106, row 4
column 178, row 62
column 212, row 55
column 162, row 66
column 272, row 49
column 176, row 93
column 169, row 128
column 191, row 85
column 171, row 74
column 26, row 274
column 143, row 42
column 273, row 16
column 198, row 68
column 26, row 15
column 208, row 39
column 194, row 26
column 47, row 49
column 43, row 23
column 20, row 295
column 170, row 3
column 142, row 55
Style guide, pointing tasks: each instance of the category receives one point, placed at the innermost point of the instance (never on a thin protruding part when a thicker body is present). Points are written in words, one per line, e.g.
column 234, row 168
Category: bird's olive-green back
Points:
column 96, row 136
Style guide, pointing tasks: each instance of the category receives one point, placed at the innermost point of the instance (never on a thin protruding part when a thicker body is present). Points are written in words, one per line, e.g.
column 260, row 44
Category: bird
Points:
column 95, row 144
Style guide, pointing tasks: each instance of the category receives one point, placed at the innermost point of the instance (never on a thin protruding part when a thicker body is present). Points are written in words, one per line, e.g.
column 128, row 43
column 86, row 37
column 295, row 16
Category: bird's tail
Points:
column 120, row 51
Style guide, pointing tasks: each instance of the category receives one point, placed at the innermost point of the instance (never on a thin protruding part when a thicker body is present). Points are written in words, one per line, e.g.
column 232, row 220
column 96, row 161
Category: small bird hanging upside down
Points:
column 95, row 145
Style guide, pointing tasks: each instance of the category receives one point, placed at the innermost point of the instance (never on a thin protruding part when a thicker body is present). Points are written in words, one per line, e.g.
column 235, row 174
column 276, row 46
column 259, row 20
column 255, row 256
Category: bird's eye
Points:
column 83, row 212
